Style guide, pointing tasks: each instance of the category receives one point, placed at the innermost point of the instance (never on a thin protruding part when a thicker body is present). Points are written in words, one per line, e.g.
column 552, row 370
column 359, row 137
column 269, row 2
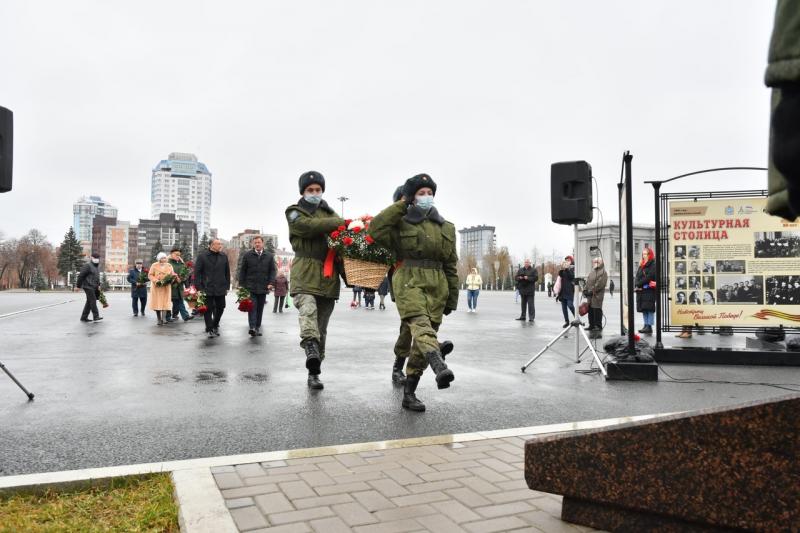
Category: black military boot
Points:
column 443, row 374
column 398, row 378
column 313, row 359
column 410, row 400
column 314, row 383
column 445, row 348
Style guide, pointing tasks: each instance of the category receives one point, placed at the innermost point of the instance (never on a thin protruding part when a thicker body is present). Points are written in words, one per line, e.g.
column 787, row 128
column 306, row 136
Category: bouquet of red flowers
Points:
column 195, row 299
column 142, row 279
column 169, row 279
column 353, row 241
column 244, row 300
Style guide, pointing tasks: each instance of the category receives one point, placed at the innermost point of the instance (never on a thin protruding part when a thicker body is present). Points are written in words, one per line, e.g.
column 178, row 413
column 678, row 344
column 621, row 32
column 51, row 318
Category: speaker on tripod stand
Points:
column 6, row 151
column 571, row 192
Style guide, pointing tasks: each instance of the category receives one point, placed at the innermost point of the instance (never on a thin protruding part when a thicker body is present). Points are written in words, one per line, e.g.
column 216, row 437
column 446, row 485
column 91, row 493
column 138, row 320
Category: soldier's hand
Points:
column 447, row 310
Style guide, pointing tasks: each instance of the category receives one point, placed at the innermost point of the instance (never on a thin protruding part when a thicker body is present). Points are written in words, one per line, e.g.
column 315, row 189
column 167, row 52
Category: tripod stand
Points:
column 576, row 323
column 4, row 369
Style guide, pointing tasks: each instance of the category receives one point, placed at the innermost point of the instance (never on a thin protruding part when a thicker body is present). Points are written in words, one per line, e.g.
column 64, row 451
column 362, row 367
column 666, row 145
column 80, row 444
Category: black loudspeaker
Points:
column 6, row 148
column 571, row 192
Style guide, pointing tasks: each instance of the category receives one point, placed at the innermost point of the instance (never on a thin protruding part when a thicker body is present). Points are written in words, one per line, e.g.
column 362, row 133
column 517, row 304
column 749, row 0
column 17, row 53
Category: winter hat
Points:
column 414, row 184
column 570, row 260
column 311, row 177
column 160, row 256
column 398, row 193
column 95, row 255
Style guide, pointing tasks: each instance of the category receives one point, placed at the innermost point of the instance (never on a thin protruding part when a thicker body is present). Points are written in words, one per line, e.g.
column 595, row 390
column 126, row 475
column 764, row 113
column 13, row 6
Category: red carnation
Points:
column 357, row 229
column 347, row 221
column 341, row 228
column 202, row 309
column 347, row 241
column 369, row 239
column 189, row 264
column 334, row 234
column 637, row 338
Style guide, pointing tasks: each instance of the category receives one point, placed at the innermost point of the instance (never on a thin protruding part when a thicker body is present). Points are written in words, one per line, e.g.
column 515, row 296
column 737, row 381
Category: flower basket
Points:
column 365, row 262
column 364, row 273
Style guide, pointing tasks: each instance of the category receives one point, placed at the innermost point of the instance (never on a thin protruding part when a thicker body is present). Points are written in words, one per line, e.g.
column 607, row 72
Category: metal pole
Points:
column 4, row 369
column 629, row 245
column 619, row 263
column 659, row 283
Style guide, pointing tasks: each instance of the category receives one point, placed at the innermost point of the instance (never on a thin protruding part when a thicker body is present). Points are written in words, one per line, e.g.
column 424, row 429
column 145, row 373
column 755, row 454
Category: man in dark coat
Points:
column 212, row 275
column 138, row 289
column 257, row 275
column 178, row 307
column 526, row 278
column 89, row 281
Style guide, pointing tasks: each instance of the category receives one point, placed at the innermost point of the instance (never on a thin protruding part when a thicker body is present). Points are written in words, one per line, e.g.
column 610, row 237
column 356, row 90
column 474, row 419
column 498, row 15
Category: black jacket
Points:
column 567, row 290
column 645, row 298
column 527, row 287
column 257, row 271
column 89, row 277
column 212, row 274
column 383, row 289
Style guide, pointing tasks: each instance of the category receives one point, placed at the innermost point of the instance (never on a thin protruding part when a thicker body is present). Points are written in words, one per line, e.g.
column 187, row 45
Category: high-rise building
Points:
column 100, row 225
column 477, row 241
column 181, row 185
column 83, row 212
column 246, row 237
column 167, row 229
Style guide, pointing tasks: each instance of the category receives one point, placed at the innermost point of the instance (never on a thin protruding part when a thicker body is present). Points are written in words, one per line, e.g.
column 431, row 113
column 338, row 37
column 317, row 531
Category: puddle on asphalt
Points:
column 253, row 377
column 166, row 377
column 211, row 376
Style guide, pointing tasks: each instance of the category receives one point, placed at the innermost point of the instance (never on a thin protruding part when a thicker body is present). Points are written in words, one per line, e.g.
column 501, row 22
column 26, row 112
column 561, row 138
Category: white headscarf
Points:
column 160, row 256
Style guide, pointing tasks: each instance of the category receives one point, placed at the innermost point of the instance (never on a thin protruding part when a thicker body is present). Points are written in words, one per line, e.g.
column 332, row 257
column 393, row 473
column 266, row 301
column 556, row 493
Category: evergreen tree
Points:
column 186, row 250
column 203, row 244
column 38, row 283
column 105, row 286
column 242, row 251
column 70, row 254
column 157, row 248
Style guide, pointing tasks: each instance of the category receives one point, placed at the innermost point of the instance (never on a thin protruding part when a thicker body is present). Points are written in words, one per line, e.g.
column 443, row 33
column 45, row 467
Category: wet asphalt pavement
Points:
column 125, row 391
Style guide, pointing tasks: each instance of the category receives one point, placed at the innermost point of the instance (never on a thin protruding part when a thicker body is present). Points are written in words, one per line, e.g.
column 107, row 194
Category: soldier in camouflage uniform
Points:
column 402, row 347
column 425, row 283
column 314, row 295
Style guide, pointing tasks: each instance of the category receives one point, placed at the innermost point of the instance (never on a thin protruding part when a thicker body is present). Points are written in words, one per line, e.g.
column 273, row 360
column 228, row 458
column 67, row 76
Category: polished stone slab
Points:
column 734, row 468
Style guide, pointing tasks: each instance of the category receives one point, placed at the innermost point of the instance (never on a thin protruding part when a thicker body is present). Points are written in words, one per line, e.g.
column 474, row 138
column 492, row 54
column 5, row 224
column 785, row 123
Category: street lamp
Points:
column 496, row 273
column 343, row 199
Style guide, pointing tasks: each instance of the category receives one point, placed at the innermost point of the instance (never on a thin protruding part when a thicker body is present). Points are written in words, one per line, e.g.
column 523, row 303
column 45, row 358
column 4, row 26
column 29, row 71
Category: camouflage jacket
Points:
column 309, row 226
column 416, row 236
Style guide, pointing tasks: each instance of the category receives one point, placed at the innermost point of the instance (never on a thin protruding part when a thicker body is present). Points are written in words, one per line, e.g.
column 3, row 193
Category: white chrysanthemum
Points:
column 357, row 223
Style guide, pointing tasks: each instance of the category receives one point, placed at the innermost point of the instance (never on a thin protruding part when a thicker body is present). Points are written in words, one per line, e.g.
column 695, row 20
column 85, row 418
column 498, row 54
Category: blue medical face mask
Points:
column 313, row 198
column 425, row 202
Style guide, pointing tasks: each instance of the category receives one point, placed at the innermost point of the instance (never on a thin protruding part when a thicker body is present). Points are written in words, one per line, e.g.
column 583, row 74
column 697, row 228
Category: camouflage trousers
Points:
column 314, row 314
column 417, row 337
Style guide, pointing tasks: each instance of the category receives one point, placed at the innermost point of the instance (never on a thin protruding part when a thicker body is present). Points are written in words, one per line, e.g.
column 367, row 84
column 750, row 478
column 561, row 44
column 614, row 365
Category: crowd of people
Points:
column 784, row 246
column 783, row 290
column 745, row 290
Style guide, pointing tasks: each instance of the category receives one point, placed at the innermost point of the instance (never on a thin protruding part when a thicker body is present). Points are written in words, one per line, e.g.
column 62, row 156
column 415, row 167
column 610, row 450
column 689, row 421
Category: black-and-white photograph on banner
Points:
column 680, row 252
column 694, row 297
column 680, row 282
column 694, row 282
column 731, row 266
column 680, row 298
column 708, row 267
column 783, row 290
column 708, row 282
column 680, row 267
column 776, row 244
column 694, row 267
column 694, row 252
column 744, row 289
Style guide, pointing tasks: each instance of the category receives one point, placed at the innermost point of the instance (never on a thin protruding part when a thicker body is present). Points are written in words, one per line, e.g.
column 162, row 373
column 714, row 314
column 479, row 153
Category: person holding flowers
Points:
column 425, row 282
column 313, row 290
column 212, row 277
column 161, row 276
column 257, row 275
column 182, row 274
column 137, row 277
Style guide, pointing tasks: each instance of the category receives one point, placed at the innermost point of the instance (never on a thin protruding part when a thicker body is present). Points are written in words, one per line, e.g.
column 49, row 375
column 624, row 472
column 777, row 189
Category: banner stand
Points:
column 668, row 311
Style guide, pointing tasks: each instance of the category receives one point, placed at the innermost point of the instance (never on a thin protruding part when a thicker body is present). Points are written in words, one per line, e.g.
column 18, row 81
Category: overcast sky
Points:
column 482, row 95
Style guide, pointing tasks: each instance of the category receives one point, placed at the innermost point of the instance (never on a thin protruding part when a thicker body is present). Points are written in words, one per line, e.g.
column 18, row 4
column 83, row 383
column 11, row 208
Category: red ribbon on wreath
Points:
column 327, row 267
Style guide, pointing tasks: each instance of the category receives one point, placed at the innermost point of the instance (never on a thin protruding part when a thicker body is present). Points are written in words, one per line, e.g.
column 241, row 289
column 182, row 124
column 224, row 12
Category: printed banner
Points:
column 732, row 264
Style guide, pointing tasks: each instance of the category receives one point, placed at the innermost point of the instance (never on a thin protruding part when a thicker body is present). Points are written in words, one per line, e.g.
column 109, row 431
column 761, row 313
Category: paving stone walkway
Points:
column 476, row 487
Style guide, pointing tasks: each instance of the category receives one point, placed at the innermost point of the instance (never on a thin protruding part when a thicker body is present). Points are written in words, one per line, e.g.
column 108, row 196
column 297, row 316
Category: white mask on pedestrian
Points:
column 95, row 261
